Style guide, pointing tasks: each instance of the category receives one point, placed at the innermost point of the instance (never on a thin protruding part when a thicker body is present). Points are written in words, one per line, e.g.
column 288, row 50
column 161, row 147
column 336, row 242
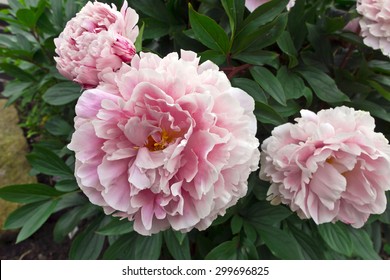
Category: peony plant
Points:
column 145, row 125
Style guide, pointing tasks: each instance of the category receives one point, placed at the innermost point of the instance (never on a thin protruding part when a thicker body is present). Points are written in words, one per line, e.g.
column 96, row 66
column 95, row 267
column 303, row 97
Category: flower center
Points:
column 161, row 141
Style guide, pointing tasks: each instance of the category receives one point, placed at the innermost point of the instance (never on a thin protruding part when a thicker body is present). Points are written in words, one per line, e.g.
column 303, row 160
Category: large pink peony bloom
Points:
column 375, row 24
column 98, row 39
column 165, row 142
column 328, row 166
column 251, row 5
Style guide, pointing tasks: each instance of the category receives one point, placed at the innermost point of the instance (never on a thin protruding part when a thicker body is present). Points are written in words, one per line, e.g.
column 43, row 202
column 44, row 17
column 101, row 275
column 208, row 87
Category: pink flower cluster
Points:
column 328, row 166
column 165, row 142
column 375, row 24
column 98, row 39
column 251, row 5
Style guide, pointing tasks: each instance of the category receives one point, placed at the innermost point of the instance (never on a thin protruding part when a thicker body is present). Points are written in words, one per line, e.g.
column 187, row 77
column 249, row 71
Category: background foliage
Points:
column 285, row 60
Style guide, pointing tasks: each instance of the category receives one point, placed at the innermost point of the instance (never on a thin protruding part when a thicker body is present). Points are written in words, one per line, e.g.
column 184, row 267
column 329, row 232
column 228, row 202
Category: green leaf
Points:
column 385, row 217
column 260, row 37
column 262, row 15
column 66, row 185
column 138, row 41
column 236, row 224
column 17, row 72
column 264, row 213
column 148, row 247
column 323, row 86
column 286, row 44
column 311, row 247
column 26, row 17
column 71, row 8
column 382, row 90
column 57, row 14
column 235, row 11
column 122, row 248
column 208, row 32
column 116, row 227
column 259, row 57
column 155, row 29
column 21, row 215
column 250, row 87
column 87, row 245
column 62, row 93
column 280, row 243
column 15, row 87
column 337, row 237
column 58, row 127
column 374, row 109
column 47, row 162
column 266, row 114
column 153, row 8
column 178, row 250
column 225, row 251
column 68, row 221
column 362, row 244
column 293, row 85
column 269, row 83
column 213, row 56
column 380, row 66
column 28, row 193
column 37, row 219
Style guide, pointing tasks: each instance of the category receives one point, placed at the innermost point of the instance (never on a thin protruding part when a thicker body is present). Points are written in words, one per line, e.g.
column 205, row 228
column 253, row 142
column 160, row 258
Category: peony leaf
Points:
column 269, row 83
column 208, row 32
column 179, row 251
column 116, row 227
column 235, row 11
column 148, row 247
column 66, row 185
column 294, row 86
column 259, row 37
column 259, row 57
column 252, row 88
column 62, row 93
column 227, row 250
column 37, row 219
column 266, row 114
column 362, row 244
column 280, row 243
column 58, row 127
column 264, row 213
column 47, row 162
column 122, row 248
column 337, row 237
column 286, row 44
column 17, row 72
column 28, row 193
column 236, row 224
column 21, row 215
column 88, row 244
column 323, row 86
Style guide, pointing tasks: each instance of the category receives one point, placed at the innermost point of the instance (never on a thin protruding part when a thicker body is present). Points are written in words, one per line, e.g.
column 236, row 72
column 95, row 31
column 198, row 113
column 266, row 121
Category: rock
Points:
column 14, row 167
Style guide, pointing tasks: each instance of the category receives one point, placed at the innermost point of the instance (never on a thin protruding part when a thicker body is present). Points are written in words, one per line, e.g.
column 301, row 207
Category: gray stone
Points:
column 14, row 167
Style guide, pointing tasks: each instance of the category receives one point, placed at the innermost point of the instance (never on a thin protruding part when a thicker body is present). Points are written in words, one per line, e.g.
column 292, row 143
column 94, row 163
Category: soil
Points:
column 39, row 246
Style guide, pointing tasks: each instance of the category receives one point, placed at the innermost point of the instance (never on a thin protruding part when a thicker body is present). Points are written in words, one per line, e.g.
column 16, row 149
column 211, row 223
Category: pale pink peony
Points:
column 165, row 142
column 251, row 5
column 98, row 39
column 375, row 24
column 328, row 166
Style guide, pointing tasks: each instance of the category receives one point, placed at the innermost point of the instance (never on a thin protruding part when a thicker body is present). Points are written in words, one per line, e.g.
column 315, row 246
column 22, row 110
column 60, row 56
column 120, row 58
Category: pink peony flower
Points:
column 328, row 166
column 251, row 5
column 375, row 24
column 165, row 142
column 98, row 39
